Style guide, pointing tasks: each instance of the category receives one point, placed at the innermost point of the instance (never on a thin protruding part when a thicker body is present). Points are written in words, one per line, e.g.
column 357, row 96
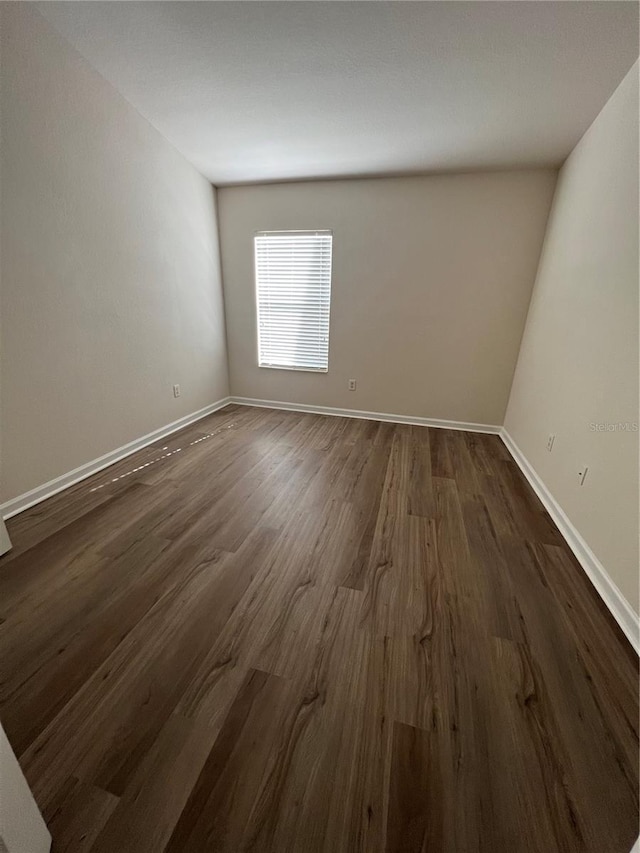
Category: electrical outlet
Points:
column 352, row 385
column 550, row 441
column 176, row 390
column 582, row 474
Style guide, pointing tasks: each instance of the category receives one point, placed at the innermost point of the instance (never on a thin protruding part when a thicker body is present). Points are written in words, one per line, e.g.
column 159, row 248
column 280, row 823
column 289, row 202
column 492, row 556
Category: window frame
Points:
column 302, row 231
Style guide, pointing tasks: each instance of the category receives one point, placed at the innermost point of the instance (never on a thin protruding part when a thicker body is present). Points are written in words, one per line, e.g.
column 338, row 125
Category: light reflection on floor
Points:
column 163, row 456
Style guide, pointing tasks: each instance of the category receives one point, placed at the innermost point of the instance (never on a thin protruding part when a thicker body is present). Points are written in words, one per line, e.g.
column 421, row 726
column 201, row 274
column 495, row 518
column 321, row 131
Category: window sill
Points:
column 299, row 369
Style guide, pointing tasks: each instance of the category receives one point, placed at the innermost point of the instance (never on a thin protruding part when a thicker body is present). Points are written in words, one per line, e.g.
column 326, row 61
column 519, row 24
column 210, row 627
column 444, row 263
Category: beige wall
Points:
column 110, row 272
column 21, row 825
column 432, row 277
column 579, row 359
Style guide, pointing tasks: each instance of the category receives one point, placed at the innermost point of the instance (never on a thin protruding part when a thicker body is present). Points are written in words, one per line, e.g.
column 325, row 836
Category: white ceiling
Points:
column 257, row 91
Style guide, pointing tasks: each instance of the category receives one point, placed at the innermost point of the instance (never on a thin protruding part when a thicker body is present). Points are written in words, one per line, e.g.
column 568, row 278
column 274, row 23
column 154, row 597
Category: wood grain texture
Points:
column 415, row 791
column 286, row 633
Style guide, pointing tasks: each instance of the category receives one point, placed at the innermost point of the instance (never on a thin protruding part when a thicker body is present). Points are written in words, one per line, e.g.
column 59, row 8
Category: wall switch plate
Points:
column 582, row 474
column 352, row 385
column 550, row 441
column 176, row 390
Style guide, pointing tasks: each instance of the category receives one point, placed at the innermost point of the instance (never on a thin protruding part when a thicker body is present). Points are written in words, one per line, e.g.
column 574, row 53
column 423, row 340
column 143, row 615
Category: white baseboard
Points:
column 47, row 490
column 369, row 416
column 620, row 608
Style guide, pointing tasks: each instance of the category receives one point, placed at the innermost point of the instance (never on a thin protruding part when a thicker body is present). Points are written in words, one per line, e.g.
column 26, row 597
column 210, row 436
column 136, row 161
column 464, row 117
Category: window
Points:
column 293, row 292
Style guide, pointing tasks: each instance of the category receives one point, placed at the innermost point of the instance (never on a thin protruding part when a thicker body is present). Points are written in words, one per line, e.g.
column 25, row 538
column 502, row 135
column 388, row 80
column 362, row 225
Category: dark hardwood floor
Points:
column 287, row 633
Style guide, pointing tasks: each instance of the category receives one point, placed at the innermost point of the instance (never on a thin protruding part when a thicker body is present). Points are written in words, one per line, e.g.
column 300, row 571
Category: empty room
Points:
column 319, row 372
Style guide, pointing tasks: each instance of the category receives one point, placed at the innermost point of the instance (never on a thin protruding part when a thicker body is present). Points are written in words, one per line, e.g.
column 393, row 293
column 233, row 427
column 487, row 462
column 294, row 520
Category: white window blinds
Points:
column 293, row 293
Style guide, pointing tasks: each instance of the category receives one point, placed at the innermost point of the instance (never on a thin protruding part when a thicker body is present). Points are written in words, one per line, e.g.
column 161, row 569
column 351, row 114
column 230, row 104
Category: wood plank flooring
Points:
column 288, row 633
